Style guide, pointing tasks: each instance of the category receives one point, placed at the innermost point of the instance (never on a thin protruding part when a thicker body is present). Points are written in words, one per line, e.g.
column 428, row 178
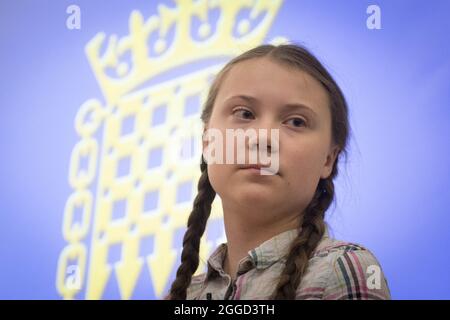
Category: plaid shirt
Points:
column 337, row 270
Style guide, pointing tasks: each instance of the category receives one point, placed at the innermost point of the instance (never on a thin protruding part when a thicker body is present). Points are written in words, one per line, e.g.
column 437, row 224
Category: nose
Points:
column 264, row 149
column 267, row 136
column 260, row 142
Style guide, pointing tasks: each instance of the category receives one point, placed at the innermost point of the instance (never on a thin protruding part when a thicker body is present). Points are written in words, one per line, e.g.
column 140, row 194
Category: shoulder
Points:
column 198, row 280
column 196, row 286
column 329, row 246
column 352, row 271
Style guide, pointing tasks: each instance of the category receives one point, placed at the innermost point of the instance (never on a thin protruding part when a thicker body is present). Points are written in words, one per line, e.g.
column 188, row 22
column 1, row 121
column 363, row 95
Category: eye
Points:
column 243, row 113
column 297, row 122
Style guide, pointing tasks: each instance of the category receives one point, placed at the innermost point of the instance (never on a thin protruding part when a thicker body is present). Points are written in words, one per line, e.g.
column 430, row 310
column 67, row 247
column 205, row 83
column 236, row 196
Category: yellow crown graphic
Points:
column 154, row 193
column 228, row 36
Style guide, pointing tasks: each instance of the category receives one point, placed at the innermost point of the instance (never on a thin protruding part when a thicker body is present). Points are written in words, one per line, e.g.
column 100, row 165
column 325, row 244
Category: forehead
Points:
column 274, row 84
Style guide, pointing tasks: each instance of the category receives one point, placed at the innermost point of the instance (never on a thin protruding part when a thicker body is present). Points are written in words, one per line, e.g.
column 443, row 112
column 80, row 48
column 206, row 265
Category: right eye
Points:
column 243, row 113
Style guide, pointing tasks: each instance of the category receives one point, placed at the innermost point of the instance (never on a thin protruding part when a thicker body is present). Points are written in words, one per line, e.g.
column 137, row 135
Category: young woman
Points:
column 277, row 245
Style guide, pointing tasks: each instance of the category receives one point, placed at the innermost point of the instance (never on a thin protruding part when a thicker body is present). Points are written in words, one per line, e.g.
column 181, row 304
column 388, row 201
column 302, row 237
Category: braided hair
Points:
column 191, row 241
column 312, row 225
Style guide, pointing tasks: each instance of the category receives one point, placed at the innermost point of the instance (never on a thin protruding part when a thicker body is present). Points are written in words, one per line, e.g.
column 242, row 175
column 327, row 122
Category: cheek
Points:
column 218, row 174
column 301, row 165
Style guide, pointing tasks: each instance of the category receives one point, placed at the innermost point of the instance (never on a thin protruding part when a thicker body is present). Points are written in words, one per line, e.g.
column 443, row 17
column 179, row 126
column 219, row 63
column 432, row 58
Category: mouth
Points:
column 257, row 168
column 253, row 166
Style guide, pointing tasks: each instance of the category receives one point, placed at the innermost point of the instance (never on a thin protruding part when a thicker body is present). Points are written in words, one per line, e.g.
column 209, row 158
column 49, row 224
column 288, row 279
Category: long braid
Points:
column 191, row 241
column 302, row 247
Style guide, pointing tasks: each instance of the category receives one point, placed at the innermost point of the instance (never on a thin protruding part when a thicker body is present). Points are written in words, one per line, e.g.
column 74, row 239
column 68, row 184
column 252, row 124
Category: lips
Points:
column 258, row 168
column 253, row 166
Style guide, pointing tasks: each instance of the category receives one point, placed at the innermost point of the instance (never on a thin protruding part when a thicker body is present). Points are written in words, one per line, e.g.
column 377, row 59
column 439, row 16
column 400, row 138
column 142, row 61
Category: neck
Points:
column 245, row 232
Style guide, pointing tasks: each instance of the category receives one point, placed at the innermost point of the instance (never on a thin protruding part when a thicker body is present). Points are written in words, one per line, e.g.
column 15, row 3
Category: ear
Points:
column 329, row 163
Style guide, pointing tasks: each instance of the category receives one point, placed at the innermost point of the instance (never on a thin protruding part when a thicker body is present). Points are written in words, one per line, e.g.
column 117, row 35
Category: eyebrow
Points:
column 289, row 105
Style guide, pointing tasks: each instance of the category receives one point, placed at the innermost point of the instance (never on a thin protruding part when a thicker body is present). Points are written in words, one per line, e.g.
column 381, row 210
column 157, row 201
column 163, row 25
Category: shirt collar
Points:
column 263, row 256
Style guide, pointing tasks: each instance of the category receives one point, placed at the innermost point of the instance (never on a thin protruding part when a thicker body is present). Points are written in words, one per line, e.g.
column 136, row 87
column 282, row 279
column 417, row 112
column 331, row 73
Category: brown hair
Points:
column 312, row 225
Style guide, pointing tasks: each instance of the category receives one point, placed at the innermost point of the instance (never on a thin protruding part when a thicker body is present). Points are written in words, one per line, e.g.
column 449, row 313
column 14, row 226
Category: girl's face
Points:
column 306, row 153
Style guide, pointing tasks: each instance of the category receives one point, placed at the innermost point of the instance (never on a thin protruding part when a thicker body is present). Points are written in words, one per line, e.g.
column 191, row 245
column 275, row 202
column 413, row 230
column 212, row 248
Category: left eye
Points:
column 297, row 122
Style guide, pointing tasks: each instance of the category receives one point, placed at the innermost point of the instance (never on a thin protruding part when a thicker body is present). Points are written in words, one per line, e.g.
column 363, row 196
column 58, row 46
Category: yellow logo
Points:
column 131, row 176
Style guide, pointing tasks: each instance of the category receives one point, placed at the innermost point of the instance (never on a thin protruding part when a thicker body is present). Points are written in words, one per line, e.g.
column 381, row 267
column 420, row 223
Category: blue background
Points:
column 392, row 195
